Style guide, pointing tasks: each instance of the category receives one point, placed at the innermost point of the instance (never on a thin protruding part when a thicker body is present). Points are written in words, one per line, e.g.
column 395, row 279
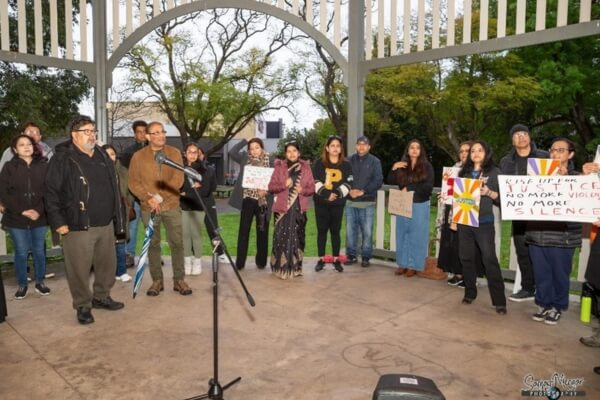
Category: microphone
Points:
column 190, row 172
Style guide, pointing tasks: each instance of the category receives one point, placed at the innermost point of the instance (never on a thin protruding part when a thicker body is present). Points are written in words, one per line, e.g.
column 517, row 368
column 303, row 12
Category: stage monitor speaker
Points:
column 406, row 387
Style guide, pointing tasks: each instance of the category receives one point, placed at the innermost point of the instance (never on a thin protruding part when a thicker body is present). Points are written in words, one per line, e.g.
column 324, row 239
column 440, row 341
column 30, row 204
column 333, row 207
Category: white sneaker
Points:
column 197, row 266
column 187, row 265
column 124, row 278
column 223, row 258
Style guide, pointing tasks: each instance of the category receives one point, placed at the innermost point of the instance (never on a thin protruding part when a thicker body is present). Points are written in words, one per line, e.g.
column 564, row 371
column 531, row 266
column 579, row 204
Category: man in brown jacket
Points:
column 157, row 188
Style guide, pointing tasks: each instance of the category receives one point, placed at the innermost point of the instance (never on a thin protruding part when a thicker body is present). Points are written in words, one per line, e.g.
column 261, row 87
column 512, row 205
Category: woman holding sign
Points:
column 552, row 245
column 292, row 183
column 332, row 173
column 413, row 174
column 481, row 235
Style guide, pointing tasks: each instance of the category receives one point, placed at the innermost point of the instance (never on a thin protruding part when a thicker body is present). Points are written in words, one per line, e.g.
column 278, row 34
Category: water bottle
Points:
column 586, row 309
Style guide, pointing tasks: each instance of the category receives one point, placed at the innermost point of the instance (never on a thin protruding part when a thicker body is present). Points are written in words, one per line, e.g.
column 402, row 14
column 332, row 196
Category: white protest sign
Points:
column 597, row 158
column 573, row 198
column 448, row 176
column 257, row 177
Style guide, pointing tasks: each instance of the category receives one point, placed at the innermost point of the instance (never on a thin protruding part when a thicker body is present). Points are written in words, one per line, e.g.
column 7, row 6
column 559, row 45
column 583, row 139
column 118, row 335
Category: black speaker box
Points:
column 406, row 387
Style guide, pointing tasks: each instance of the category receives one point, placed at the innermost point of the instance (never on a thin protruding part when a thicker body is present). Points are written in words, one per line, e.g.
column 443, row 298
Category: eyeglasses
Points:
column 157, row 133
column 559, row 150
column 192, row 151
column 88, row 132
column 522, row 133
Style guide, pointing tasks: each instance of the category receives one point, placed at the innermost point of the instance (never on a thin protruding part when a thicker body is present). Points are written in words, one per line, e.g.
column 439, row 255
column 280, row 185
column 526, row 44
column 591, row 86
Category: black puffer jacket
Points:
column 22, row 188
column 67, row 191
column 188, row 200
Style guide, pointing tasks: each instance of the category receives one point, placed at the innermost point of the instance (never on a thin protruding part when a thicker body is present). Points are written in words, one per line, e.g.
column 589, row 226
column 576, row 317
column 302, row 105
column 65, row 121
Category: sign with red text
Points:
column 448, row 176
column 257, row 177
column 573, row 198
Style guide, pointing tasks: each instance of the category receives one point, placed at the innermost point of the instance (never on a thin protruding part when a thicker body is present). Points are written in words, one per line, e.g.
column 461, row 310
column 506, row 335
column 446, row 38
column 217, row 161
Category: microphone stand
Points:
column 215, row 390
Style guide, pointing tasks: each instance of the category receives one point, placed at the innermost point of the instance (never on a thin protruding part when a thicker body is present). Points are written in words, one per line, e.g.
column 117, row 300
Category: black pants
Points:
column 470, row 239
column 250, row 210
column 518, row 234
column 329, row 219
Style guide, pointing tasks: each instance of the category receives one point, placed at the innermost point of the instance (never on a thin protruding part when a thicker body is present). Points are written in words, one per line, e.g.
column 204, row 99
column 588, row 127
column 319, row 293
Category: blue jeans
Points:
column 24, row 241
column 359, row 219
column 552, row 270
column 133, row 227
column 121, row 267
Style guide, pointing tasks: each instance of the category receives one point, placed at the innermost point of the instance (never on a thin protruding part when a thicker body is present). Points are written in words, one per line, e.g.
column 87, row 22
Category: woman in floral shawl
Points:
column 292, row 184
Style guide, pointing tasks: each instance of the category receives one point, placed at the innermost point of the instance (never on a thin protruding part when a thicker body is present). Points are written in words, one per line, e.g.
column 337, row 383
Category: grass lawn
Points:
column 229, row 223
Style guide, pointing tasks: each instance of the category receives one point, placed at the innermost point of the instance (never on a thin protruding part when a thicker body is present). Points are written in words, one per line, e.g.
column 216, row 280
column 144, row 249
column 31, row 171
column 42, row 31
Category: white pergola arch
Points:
column 403, row 21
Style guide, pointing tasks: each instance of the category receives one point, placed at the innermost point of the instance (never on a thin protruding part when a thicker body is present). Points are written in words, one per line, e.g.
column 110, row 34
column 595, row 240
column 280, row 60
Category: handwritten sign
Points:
column 465, row 203
column 448, row 175
column 257, row 177
column 542, row 166
column 550, row 198
column 400, row 203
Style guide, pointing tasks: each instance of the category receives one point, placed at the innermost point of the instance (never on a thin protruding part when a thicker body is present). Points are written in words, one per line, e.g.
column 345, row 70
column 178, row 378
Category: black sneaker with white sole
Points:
column 553, row 317
column 542, row 313
column 522, row 295
column 42, row 289
column 21, row 292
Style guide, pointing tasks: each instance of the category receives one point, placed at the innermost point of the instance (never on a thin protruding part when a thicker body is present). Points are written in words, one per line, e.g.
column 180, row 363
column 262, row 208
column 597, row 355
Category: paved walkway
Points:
column 322, row 336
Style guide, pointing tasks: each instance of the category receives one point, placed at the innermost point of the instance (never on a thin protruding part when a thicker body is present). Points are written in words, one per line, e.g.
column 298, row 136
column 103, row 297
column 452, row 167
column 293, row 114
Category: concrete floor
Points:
column 322, row 336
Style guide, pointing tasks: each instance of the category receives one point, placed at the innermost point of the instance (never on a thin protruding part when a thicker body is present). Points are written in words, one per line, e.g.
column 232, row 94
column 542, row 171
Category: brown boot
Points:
column 156, row 288
column 410, row 272
column 181, row 287
column 400, row 271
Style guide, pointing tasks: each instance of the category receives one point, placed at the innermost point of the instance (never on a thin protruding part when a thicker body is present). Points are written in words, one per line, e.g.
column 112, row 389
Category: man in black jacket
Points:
column 140, row 128
column 515, row 163
column 84, row 206
column 360, row 207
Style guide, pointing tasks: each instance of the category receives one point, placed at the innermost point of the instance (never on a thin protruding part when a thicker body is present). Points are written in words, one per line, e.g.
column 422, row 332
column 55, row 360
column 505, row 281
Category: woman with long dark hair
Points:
column 22, row 189
column 331, row 172
column 192, row 214
column 413, row 173
column 253, row 203
column 480, row 165
column 448, row 257
column 121, row 243
column 292, row 183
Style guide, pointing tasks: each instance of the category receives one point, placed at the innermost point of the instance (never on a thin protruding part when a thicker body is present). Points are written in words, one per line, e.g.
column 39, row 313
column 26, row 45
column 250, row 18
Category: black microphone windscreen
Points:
column 159, row 157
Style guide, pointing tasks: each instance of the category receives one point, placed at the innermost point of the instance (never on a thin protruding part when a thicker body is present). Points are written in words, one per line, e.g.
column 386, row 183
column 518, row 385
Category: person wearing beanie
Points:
column 515, row 163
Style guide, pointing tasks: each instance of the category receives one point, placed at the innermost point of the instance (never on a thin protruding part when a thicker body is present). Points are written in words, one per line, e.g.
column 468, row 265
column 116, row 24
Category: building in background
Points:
column 122, row 114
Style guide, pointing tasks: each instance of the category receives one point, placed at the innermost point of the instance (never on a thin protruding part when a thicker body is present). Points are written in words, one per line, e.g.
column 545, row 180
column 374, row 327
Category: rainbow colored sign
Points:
column 542, row 167
column 466, row 198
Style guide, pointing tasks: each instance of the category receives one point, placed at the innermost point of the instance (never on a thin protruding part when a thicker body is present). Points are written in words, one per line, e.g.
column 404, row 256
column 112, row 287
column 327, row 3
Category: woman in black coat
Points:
column 22, row 187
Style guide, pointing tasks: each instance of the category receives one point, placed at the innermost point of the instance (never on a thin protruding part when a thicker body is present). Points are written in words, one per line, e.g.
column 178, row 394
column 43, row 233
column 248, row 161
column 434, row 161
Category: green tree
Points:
column 214, row 83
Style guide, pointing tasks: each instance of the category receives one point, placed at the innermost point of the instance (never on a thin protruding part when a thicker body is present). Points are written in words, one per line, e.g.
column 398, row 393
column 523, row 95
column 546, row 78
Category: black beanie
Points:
column 518, row 128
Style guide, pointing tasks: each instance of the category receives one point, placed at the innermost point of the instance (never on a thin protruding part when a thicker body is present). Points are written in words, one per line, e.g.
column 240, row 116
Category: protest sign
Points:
column 542, row 166
column 597, row 158
column 257, row 177
column 573, row 198
column 465, row 203
column 448, row 175
column 400, row 203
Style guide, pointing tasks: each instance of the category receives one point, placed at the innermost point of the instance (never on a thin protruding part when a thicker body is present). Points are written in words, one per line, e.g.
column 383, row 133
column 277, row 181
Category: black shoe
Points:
column 84, row 315
column 597, row 370
column 320, row 265
column 455, row 280
column 21, row 293
column 338, row 266
column 107, row 304
column 260, row 266
column 522, row 295
column 42, row 289
column 467, row 300
column 350, row 260
column 241, row 267
column 365, row 263
column 501, row 310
